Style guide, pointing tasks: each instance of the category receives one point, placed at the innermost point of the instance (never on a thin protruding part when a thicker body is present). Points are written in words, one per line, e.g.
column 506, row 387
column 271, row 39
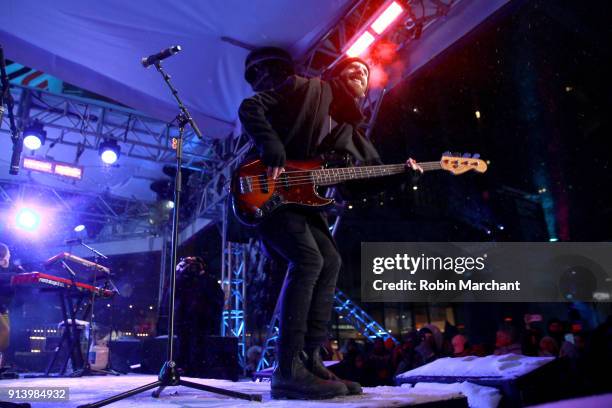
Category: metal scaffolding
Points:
column 237, row 259
column 84, row 124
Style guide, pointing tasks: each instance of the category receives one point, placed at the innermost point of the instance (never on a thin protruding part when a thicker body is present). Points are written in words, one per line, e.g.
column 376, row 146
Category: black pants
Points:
column 307, row 295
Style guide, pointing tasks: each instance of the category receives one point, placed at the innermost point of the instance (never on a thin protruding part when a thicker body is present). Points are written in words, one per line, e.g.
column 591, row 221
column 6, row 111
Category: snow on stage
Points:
column 86, row 390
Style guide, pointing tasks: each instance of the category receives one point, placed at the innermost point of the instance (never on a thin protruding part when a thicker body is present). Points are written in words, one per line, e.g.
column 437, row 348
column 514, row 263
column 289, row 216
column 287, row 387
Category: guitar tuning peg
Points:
column 476, row 156
column 466, row 155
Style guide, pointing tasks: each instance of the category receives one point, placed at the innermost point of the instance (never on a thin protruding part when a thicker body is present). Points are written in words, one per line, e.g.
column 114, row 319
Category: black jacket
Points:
column 286, row 123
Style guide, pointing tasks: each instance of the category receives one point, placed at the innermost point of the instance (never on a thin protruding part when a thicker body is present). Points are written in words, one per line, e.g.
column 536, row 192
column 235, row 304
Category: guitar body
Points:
column 255, row 196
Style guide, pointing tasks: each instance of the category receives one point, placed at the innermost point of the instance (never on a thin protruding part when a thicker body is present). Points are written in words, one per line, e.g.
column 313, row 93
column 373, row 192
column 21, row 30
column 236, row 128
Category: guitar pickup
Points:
column 272, row 203
column 285, row 181
column 246, row 185
column 263, row 183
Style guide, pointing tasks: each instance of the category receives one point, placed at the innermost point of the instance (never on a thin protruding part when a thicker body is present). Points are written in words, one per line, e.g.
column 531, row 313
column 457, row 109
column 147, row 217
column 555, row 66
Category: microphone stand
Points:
column 169, row 375
column 87, row 370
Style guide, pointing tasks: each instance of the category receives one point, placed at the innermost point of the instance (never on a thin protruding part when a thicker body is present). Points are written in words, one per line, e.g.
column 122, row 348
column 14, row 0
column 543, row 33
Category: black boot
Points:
column 291, row 380
column 314, row 363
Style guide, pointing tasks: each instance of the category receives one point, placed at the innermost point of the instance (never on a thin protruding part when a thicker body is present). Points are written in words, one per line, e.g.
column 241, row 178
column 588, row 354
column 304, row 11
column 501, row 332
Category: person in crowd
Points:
column 461, row 346
column 379, row 365
column 557, row 330
column 406, row 357
column 506, row 341
column 429, row 348
column 548, row 347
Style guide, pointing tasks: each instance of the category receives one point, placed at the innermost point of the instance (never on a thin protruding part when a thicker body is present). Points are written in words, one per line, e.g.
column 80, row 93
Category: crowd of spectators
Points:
column 586, row 356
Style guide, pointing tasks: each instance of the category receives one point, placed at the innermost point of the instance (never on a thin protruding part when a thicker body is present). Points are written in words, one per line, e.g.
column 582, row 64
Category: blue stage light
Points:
column 79, row 228
column 34, row 136
column 27, row 219
column 109, row 151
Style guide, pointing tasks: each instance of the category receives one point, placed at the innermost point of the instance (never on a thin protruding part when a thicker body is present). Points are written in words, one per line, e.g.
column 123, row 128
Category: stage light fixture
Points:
column 363, row 42
column 34, row 136
column 389, row 13
column 27, row 219
column 109, row 151
column 79, row 228
column 53, row 167
column 387, row 17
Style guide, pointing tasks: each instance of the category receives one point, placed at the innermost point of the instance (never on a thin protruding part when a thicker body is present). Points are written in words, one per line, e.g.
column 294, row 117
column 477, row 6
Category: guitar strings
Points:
column 311, row 176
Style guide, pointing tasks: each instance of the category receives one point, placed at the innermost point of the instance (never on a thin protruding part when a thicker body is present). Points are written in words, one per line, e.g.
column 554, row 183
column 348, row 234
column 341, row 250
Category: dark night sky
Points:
column 539, row 75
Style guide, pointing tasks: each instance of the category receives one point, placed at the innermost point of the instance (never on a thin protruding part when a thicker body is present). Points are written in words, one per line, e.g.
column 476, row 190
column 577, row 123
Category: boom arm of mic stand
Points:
column 95, row 251
column 182, row 107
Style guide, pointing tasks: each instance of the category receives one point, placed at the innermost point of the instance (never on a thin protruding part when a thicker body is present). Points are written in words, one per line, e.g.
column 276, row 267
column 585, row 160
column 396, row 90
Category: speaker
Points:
column 154, row 353
column 203, row 356
column 125, row 353
column 214, row 357
column 33, row 362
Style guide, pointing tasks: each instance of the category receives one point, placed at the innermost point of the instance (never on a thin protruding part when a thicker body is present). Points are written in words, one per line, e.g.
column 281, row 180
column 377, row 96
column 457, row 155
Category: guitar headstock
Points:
column 458, row 164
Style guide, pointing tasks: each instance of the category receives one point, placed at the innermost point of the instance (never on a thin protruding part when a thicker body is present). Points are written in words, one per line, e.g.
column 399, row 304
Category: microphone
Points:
column 73, row 241
column 163, row 54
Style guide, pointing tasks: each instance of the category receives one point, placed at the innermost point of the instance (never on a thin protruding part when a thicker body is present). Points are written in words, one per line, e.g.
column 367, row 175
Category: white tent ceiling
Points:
column 97, row 45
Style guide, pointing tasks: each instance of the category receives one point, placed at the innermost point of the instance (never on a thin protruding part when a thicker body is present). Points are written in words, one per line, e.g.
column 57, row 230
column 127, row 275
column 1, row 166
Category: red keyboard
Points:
column 45, row 280
column 77, row 259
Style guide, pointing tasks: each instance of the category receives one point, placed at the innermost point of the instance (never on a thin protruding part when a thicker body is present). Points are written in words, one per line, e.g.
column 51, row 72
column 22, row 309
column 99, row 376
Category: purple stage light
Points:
column 27, row 219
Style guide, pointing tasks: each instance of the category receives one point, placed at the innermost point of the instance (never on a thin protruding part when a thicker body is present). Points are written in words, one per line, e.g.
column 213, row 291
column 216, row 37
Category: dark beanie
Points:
column 264, row 55
column 337, row 69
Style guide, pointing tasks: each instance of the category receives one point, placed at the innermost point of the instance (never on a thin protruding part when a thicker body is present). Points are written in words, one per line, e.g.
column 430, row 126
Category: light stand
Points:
column 169, row 375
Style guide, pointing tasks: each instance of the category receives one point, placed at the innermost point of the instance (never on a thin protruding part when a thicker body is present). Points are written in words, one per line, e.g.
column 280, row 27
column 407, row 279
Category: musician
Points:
column 5, row 298
column 198, row 308
column 298, row 120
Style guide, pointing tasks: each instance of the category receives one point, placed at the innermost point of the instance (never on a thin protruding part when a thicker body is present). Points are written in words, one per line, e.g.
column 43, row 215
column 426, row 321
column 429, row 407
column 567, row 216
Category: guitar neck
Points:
column 325, row 177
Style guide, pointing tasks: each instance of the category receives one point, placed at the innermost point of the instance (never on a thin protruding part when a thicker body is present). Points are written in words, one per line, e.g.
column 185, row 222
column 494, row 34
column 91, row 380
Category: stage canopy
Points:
column 97, row 45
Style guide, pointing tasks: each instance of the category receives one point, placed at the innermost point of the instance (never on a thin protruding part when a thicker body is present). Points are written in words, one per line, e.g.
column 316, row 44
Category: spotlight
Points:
column 27, row 219
column 169, row 204
column 79, row 228
column 34, row 136
column 109, row 151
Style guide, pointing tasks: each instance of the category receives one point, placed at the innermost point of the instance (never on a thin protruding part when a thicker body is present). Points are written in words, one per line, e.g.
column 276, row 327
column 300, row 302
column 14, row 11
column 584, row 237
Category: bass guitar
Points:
column 255, row 195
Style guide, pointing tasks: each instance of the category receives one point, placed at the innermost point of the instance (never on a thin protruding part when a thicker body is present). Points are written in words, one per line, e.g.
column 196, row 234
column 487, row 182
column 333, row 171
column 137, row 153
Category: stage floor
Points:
column 90, row 389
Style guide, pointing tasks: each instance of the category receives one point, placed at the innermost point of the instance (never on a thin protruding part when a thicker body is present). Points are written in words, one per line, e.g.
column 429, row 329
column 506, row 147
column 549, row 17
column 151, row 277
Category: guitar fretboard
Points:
column 325, row 177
